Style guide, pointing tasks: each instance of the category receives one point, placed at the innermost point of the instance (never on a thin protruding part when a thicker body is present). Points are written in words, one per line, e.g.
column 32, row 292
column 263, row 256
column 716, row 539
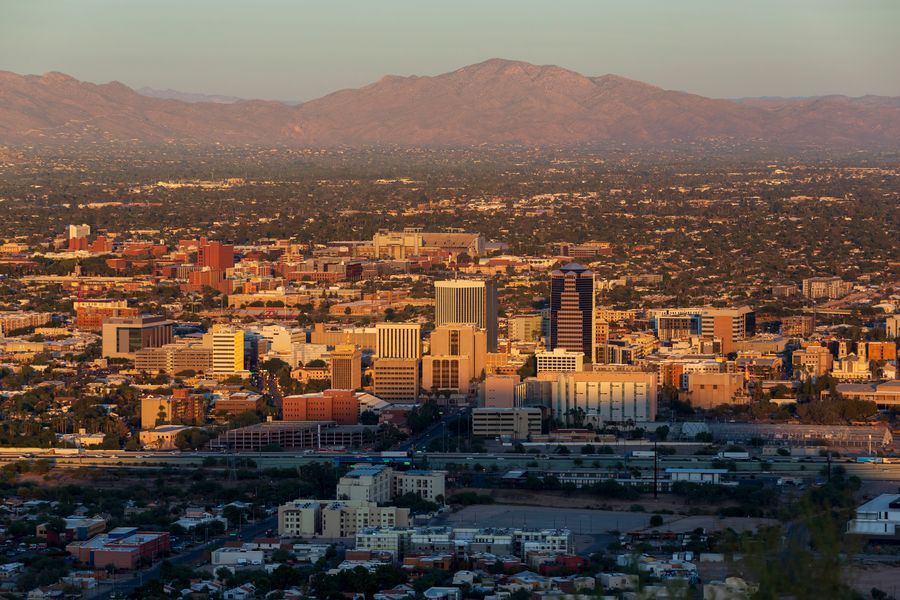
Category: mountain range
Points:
column 494, row 102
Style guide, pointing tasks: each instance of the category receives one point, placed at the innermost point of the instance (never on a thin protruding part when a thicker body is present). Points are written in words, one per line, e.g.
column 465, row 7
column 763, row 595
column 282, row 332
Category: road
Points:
column 434, row 432
column 191, row 557
column 805, row 467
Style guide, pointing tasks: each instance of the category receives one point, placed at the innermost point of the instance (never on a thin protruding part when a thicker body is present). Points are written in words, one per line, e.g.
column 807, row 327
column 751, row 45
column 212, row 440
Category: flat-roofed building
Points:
column 396, row 380
column 499, row 391
column 559, row 360
column 892, row 327
column 812, row 361
column 399, row 340
column 801, row 326
column 469, row 301
column 180, row 408
column 175, row 358
column 524, row 328
column 228, row 349
column 340, row 406
column 517, row 423
column 885, row 395
column 458, row 358
column 611, row 396
column 346, row 367
column 90, row 314
column 708, row 390
column 123, row 337
column 123, row 547
column 370, row 483
column 815, row 288
column 426, row 484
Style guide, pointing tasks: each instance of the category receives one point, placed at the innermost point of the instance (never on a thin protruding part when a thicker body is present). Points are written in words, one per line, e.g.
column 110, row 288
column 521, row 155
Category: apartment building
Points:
column 335, row 519
column 816, row 288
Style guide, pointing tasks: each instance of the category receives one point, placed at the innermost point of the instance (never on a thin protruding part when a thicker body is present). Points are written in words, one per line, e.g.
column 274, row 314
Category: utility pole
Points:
column 655, row 471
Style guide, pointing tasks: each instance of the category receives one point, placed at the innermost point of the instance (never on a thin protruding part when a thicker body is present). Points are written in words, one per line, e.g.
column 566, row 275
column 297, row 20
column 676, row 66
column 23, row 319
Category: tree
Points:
column 368, row 417
column 662, row 433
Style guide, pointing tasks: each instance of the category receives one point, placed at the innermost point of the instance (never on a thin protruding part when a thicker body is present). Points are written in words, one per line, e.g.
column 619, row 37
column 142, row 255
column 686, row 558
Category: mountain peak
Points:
column 497, row 101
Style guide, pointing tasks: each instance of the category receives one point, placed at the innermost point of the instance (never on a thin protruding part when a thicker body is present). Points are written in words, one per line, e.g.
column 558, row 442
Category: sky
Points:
column 303, row 49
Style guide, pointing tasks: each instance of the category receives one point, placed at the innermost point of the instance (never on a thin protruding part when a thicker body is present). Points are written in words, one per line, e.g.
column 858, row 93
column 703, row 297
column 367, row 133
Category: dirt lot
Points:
column 865, row 575
column 564, row 500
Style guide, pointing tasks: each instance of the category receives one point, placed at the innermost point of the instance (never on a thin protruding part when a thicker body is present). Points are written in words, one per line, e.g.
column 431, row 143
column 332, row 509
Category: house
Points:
column 879, row 517
column 243, row 592
column 443, row 593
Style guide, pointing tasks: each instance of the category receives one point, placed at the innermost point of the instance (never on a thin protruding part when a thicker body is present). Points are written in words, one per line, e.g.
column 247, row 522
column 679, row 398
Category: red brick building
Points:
column 340, row 406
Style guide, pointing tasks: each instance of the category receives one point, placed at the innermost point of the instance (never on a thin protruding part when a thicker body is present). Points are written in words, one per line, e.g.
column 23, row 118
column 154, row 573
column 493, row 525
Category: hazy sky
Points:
column 298, row 50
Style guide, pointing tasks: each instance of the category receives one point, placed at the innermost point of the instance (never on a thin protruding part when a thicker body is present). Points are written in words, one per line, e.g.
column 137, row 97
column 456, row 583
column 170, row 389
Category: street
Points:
column 125, row 586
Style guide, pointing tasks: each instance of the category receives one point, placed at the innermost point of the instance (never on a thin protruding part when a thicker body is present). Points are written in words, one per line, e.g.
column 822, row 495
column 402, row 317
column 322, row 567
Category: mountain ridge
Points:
column 496, row 101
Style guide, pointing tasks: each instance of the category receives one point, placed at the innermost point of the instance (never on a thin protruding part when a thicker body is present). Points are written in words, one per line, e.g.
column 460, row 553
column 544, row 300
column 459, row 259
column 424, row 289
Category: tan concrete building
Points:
column 428, row 485
column 346, row 368
column 369, row 483
column 812, row 361
column 524, row 328
column 335, row 519
column 174, row 358
column 470, row 301
column 396, row 380
column 499, row 391
column 708, row 390
column 457, row 359
column 162, row 437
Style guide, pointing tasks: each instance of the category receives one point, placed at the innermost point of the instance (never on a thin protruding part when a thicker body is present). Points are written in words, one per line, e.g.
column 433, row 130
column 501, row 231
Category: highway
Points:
column 806, row 467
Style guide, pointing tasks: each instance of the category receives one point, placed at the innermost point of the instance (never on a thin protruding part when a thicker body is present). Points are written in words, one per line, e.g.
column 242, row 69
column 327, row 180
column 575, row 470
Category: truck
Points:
column 734, row 455
column 642, row 454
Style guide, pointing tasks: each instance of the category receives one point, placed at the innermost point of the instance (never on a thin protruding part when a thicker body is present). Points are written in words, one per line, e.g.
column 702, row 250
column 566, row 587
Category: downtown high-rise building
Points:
column 572, row 309
column 472, row 301
column 397, row 368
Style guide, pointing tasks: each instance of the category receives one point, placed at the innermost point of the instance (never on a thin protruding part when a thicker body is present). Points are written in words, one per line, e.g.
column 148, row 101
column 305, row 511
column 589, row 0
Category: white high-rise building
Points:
column 472, row 301
column 399, row 340
column 79, row 231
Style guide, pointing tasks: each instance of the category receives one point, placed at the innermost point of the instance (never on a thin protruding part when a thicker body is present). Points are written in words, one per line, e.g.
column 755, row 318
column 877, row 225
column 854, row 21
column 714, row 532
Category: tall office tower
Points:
column 346, row 368
column 572, row 309
column 227, row 344
column 399, row 340
column 468, row 301
column 398, row 348
column 728, row 324
column 457, row 359
column 215, row 255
